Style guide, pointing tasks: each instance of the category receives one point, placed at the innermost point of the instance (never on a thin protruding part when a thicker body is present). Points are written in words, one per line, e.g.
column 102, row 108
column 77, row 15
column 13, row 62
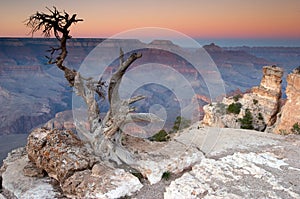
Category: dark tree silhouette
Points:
column 103, row 135
column 59, row 24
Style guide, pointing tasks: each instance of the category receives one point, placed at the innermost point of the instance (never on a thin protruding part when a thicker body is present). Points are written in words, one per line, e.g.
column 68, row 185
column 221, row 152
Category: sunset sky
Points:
column 195, row 18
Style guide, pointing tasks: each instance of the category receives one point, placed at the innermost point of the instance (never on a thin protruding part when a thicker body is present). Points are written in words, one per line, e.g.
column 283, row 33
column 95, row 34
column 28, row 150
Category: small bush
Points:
column 166, row 175
column 237, row 97
column 234, row 108
column 125, row 197
column 180, row 123
column 255, row 101
column 260, row 116
column 161, row 136
column 296, row 128
column 246, row 121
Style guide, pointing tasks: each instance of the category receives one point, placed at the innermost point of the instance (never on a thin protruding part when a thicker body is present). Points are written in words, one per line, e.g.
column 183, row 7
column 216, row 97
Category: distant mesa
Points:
column 161, row 42
column 213, row 48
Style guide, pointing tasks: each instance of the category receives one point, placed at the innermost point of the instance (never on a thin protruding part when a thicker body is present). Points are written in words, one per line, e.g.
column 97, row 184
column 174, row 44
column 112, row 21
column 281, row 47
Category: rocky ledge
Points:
column 261, row 109
column 203, row 163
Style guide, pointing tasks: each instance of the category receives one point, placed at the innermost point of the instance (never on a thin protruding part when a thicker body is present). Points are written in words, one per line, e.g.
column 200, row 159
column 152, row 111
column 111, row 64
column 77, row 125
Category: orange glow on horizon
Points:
column 195, row 18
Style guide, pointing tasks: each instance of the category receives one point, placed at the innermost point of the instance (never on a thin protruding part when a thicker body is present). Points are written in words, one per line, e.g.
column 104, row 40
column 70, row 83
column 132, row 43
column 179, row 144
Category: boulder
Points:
column 71, row 162
column 59, row 152
column 17, row 185
column 101, row 182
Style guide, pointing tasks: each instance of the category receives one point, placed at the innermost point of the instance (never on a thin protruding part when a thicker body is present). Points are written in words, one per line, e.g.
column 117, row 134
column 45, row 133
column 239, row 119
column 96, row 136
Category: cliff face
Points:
column 268, row 93
column 255, row 110
column 290, row 112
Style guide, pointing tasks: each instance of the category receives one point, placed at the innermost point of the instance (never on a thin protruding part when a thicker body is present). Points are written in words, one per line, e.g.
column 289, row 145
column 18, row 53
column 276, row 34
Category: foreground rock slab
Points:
column 241, row 175
column 157, row 158
column 209, row 162
column 243, row 164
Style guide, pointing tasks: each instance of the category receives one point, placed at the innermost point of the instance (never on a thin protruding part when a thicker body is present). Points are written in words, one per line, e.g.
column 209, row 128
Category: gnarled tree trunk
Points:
column 105, row 135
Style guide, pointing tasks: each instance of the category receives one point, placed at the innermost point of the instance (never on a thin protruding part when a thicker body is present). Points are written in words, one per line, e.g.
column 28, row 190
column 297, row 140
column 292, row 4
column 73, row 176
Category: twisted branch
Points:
column 57, row 23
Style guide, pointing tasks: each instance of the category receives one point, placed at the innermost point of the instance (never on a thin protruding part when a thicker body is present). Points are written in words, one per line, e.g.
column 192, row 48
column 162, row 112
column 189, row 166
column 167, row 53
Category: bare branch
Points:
column 121, row 56
column 57, row 23
column 84, row 89
column 117, row 77
column 136, row 98
column 100, row 88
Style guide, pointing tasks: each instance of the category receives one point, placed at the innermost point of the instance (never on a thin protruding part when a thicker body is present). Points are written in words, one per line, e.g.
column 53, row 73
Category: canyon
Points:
column 32, row 91
column 28, row 83
column 205, row 162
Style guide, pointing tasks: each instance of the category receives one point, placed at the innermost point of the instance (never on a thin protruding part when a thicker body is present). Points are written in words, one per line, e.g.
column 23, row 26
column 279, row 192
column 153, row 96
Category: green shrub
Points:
column 166, row 175
column 180, row 123
column 296, row 128
column 255, row 101
column 237, row 97
column 125, row 197
column 246, row 121
column 234, row 108
column 260, row 116
column 161, row 136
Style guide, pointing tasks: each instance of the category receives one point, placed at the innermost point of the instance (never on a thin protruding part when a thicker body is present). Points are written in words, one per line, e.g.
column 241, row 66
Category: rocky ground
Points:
column 219, row 163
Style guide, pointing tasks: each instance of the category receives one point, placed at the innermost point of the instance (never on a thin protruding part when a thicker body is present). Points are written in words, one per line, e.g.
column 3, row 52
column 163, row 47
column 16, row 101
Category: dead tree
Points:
column 103, row 135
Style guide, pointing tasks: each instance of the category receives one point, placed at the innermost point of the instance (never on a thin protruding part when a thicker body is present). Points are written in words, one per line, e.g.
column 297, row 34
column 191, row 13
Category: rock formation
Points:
column 255, row 110
column 268, row 93
column 241, row 164
column 79, row 173
column 290, row 112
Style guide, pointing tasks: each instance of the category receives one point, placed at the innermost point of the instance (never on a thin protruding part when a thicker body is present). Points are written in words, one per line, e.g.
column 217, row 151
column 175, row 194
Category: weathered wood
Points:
column 104, row 135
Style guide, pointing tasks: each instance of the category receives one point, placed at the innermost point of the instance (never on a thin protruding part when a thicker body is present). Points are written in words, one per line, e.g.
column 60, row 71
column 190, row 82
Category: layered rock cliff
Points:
column 268, row 93
column 290, row 112
column 255, row 110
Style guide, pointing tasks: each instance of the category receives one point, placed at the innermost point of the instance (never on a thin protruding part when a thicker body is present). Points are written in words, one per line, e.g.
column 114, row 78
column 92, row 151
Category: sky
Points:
column 231, row 19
